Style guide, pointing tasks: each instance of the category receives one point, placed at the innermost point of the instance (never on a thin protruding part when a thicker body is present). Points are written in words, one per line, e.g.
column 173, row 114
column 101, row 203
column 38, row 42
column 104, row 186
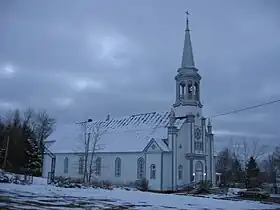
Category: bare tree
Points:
column 248, row 148
column 89, row 144
column 82, row 148
column 28, row 115
column 224, row 164
column 96, row 133
column 269, row 167
column 43, row 125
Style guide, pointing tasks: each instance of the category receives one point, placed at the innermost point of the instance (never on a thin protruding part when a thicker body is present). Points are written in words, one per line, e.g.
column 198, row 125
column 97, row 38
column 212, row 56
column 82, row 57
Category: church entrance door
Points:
column 198, row 171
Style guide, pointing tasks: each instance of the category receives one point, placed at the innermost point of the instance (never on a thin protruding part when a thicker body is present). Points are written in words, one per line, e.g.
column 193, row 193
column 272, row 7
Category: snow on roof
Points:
column 126, row 134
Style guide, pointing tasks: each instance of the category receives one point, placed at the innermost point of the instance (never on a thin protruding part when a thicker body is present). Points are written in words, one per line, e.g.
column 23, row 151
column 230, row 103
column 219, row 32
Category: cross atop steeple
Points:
column 187, row 59
column 187, row 21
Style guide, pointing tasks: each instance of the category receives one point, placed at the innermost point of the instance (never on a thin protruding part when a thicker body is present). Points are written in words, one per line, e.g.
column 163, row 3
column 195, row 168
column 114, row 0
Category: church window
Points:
column 98, row 166
column 190, row 89
column 153, row 171
column 66, row 165
column 182, row 90
column 180, row 172
column 198, row 145
column 118, row 165
column 197, row 133
column 140, row 168
column 196, row 89
column 153, row 147
column 81, row 165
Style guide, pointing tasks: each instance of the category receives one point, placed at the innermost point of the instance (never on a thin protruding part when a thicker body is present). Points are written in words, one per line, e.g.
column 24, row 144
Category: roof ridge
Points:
column 132, row 115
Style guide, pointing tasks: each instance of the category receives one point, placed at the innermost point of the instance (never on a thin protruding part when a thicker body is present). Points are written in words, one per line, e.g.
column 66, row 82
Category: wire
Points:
column 247, row 108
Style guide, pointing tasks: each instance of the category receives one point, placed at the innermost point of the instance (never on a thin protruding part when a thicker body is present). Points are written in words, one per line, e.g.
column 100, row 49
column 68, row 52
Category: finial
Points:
column 187, row 21
column 172, row 117
column 209, row 126
column 209, row 122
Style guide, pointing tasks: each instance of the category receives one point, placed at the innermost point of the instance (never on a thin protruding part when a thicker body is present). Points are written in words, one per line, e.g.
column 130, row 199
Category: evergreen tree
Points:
column 33, row 153
column 252, row 173
column 34, row 158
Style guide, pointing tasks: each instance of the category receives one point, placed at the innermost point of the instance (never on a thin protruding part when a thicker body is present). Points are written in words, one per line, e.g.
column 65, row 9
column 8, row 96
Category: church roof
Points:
column 125, row 134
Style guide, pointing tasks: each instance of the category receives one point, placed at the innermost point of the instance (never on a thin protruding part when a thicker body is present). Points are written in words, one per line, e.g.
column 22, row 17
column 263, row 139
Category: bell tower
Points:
column 187, row 81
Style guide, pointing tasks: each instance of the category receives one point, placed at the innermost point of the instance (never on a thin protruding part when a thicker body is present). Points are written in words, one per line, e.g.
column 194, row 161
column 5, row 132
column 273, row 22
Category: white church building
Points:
column 169, row 149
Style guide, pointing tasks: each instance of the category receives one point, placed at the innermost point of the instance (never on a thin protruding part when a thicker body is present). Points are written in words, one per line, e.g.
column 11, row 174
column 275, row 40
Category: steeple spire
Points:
column 187, row 59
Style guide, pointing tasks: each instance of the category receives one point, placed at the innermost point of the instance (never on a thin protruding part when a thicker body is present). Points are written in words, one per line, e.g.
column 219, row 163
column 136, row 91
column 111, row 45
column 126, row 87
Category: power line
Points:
column 247, row 108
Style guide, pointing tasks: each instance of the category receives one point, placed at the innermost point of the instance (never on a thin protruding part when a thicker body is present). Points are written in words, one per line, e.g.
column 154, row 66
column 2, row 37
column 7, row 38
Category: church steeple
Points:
column 187, row 81
column 187, row 58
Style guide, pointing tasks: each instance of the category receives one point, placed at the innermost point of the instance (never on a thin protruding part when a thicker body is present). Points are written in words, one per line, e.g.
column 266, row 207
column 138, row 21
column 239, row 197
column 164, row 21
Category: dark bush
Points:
column 142, row 184
column 204, row 187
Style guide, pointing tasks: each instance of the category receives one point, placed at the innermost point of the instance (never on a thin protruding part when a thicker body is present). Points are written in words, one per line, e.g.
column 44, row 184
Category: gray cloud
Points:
column 90, row 58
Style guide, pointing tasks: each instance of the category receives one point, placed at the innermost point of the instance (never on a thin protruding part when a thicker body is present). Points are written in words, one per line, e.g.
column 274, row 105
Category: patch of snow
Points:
column 40, row 181
column 234, row 191
column 101, row 198
column 36, row 180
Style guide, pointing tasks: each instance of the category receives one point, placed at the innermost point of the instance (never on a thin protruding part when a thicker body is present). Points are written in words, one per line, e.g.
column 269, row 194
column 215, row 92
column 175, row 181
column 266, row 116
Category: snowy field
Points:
column 41, row 196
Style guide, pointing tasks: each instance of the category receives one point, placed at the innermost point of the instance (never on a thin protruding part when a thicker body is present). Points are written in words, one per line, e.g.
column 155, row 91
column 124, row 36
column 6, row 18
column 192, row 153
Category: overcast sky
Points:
column 85, row 59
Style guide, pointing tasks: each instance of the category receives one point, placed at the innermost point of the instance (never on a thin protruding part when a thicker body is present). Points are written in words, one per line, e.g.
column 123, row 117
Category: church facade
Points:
column 169, row 149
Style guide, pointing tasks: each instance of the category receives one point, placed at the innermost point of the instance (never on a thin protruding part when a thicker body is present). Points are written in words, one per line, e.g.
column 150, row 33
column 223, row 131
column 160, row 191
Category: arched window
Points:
column 140, row 168
column 153, row 171
column 182, row 90
column 98, row 166
column 81, row 165
column 180, row 172
column 196, row 91
column 190, row 89
column 198, row 171
column 66, row 165
column 118, row 167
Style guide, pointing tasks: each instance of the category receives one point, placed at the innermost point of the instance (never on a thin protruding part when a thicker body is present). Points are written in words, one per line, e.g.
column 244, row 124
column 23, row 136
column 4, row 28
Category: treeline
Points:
column 21, row 140
column 252, row 171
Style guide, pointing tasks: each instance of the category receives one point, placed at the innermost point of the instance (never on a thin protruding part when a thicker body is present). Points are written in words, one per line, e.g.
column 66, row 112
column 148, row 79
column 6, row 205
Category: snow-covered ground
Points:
column 41, row 196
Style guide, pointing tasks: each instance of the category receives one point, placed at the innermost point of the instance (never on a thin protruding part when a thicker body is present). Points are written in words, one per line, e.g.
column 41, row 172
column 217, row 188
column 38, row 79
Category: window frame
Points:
column 81, row 165
column 118, row 167
column 66, row 165
column 140, row 168
column 98, row 166
column 153, row 171
column 180, row 172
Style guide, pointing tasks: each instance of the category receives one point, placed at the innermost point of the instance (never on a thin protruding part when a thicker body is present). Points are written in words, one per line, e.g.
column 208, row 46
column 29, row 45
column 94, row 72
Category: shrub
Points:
column 204, row 186
column 142, row 184
column 105, row 184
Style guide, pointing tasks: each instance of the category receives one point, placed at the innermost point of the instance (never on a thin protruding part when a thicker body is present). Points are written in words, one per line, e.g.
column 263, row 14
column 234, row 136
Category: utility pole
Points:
column 86, row 144
column 6, row 152
column 86, row 159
